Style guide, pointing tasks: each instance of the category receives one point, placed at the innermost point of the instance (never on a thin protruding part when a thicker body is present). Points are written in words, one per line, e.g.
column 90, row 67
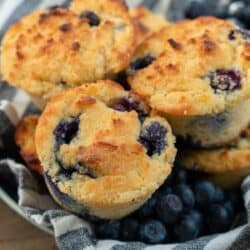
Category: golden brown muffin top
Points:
column 25, row 139
column 194, row 67
column 51, row 50
column 146, row 22
column 93, row 142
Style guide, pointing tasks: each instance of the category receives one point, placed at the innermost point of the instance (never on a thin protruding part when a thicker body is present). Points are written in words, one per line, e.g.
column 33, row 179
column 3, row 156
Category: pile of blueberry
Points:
column 235, row 10
column 187, row 206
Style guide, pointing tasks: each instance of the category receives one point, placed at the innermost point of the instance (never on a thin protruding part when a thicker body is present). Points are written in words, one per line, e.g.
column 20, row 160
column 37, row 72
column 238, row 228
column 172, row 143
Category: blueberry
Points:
column 164, row 190
column 153, row 138
column 129, row 229
column 225, row 80
column 235, row 197
column 141, row 63
column 245, row 34
column 186, row 229
column 153, row 232
column 180, row 175
column 185, row 193
column 147, row 209
column 169, row 208
column 196, row 216
column 229, row 206
column 196, row 8
column 109, row 230
column 93, row 19
column 66, row 131
column 219, row 195
column 204, row 193
column 127, row 104
column 236, row 9
column 218, row 219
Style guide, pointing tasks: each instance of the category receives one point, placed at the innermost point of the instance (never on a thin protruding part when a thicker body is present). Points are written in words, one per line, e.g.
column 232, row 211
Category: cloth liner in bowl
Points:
column 72, row 232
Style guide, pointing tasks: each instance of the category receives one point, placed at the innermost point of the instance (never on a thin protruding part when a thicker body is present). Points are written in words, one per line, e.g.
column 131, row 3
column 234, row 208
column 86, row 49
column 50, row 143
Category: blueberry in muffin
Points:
column 51, row 50
column 226, row 166
column 102, row 153
column 25, row 139
column 195, row 73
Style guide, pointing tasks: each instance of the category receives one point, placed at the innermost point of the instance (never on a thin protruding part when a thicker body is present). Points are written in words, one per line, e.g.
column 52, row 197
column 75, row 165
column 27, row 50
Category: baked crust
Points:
column 187, row 53
column 52, row 50
column 115, row 174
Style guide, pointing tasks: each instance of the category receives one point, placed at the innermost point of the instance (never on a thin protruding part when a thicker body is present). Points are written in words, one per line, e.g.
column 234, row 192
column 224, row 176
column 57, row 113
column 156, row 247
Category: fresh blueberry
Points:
column 218, row 219
column 164, row 190
column 185, row 193
column 219, row 195
column 147, row 209
column 246, row 14
column 236, row 9
column 186, row 229
column 129, row 229
column 66, row 131
column 153, row 138
column 109, row 230
column 204, row 193
column 141, row 63
column 153, row 232
column 196, row 8
column 235, row 197
column 169, row 208
column 230, row 209
column 127, row 104
column 93, row 19
column 196, row 216
column 225, row 80
column 180, row 175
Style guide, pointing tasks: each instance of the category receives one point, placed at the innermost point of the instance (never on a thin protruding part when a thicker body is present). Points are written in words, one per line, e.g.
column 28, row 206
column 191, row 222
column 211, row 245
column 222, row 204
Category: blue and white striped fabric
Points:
column 72, row 232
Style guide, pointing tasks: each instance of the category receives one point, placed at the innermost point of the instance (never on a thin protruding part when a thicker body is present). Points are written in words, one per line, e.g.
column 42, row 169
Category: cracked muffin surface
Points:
column 54, row 49
column 146, row 22
column 194, row 67
column 25, row 139
column 100, row 147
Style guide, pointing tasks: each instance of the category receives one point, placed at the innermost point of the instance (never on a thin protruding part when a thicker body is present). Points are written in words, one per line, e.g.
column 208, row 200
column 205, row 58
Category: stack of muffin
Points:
column 105, row 147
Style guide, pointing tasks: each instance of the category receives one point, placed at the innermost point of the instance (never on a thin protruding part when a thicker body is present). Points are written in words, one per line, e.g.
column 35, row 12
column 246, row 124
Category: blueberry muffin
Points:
column 25, row 139
column 196, row 73
column 102, row 153
column 146, row 22
column 227, row 166
column 52, row 50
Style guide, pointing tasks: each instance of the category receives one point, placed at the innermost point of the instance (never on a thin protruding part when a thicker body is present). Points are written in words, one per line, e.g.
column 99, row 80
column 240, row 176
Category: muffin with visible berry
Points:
column 25, row 139
column 55, row 49
column 146, row 22
column 195, row 73
column 226, row 166
column 102, row 153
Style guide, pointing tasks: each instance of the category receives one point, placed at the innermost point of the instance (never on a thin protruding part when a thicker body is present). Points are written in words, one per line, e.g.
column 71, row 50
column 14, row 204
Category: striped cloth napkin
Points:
column 70, row 231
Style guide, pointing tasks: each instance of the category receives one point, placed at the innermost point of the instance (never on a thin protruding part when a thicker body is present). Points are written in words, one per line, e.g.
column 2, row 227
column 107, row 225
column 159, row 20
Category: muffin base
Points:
column 212, row 130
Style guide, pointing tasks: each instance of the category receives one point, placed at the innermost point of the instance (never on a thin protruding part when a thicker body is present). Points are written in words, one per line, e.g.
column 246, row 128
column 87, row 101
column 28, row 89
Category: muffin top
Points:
column 194, row 67
column 98, row 144
column 222, row 160
column 146, row 22
column 54, row 49
column 25, row 139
